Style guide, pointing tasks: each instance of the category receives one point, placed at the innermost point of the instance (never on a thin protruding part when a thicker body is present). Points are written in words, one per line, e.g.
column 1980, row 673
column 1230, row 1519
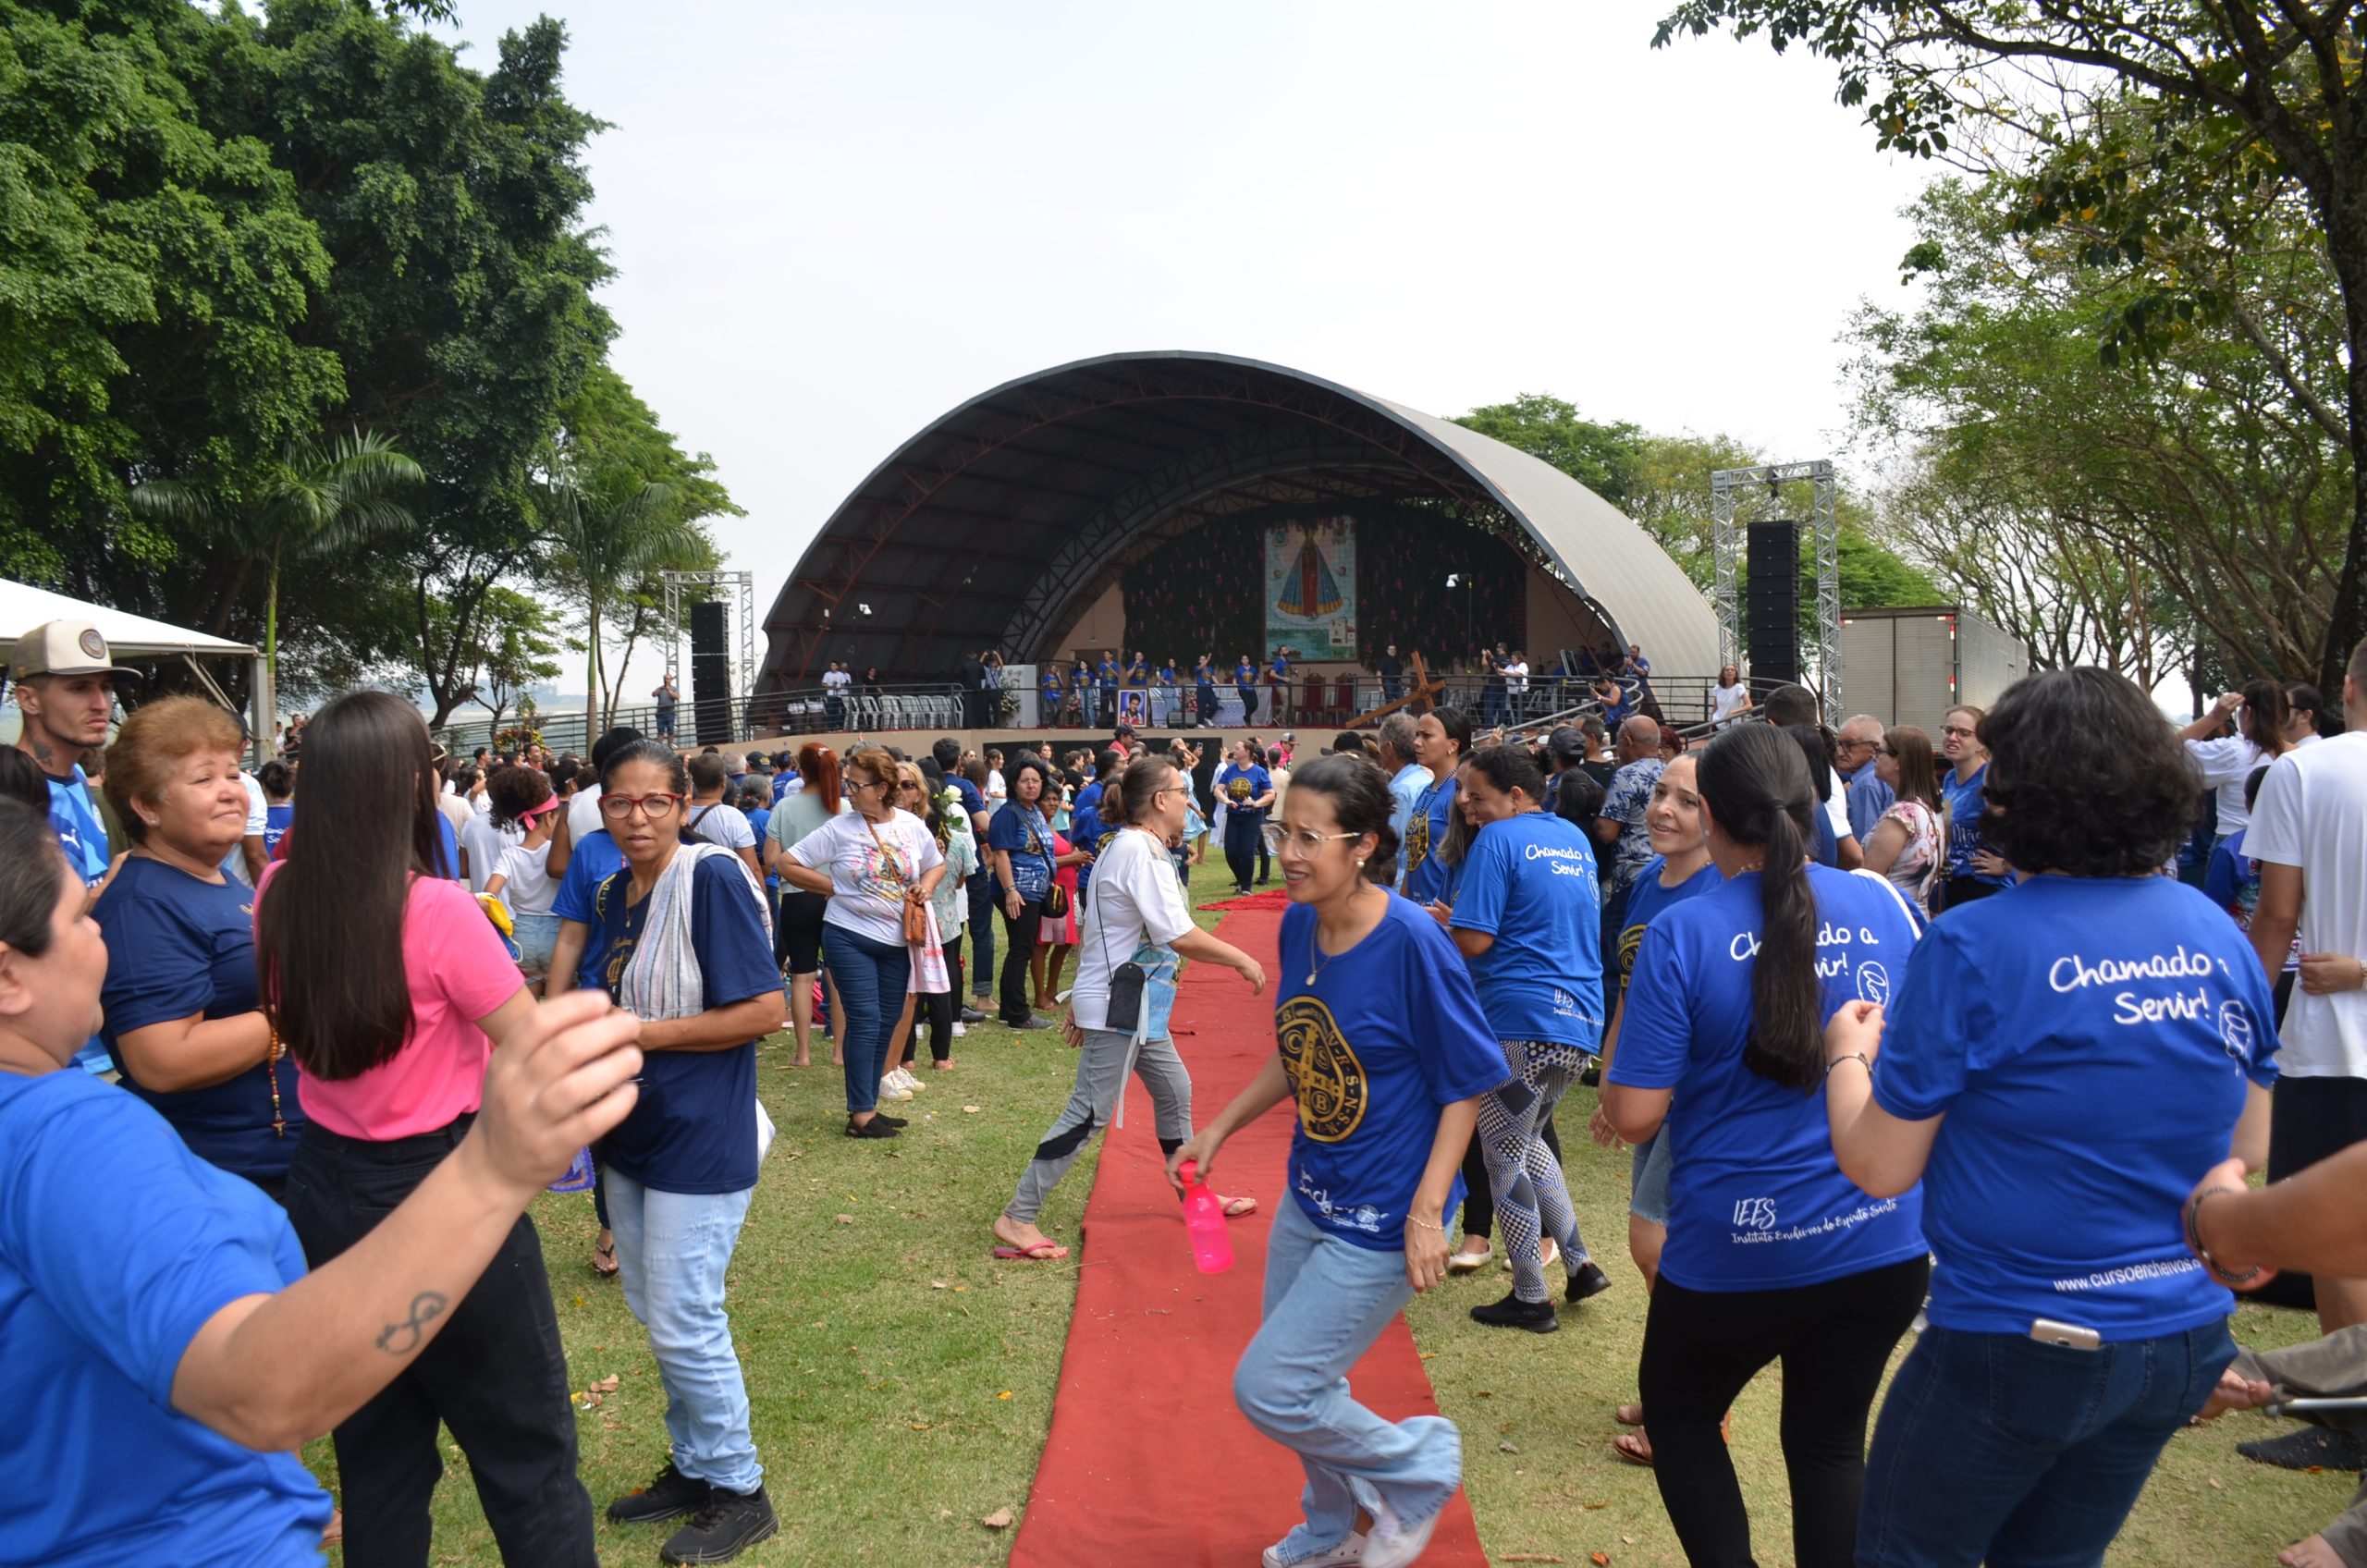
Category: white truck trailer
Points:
column 1911, row 666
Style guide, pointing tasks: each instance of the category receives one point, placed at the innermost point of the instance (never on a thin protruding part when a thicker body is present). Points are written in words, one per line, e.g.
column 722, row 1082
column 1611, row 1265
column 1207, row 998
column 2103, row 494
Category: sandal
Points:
column 1634, row 1447
column 604, row 1260
column 1239, row 1208
column 1042, row 1252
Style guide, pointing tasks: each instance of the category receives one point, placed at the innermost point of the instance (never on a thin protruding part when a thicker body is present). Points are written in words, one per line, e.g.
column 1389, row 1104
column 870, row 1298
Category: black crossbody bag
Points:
column 1126, row 982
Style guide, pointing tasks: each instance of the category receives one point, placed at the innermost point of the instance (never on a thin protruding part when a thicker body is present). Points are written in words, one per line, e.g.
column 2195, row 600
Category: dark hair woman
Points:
column 1907, row 845
column 1441, row 740
column 797, row 936
column 196, row 1281
column 1019, row 848
column 1526, row 921
column 1772, row 1254
column 1244, row 790
column 1974, row 869
column 687, row 952
column 1380, row 1043
column 2261, row 714
column 869, row 863
column 391, row 989
column 183, row 1022
column 1136, row 915
column 2054, row 1070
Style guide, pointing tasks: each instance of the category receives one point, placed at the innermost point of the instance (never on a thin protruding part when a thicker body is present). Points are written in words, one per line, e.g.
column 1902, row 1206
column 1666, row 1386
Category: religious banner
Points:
column 1311, row 588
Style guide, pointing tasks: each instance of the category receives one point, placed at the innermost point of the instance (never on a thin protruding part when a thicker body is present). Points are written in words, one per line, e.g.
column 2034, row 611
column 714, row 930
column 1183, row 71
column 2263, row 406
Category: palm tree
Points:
column 316, row 498
column 609, row 535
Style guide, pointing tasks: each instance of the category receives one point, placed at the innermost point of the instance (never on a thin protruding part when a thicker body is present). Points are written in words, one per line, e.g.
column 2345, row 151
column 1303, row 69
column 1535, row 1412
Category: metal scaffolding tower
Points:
column 743, row 626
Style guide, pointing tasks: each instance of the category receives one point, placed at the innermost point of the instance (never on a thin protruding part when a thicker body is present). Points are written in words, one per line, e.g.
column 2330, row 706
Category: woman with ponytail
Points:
column 1773, row 1255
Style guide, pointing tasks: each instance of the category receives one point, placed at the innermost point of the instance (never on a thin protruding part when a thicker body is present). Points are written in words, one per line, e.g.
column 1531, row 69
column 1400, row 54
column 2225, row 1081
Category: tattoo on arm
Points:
column 401, row 1339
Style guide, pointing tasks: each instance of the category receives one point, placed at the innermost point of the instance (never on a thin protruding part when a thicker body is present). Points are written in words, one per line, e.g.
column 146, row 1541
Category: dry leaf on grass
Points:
column 971, row 1110
column 605, row 1386
column 1005, row 1394
column 846, row 1219
column 1599, row 1559
column 999, row 1520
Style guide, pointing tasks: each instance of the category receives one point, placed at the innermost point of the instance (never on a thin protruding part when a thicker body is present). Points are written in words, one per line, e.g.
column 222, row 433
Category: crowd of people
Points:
column 1854, row 999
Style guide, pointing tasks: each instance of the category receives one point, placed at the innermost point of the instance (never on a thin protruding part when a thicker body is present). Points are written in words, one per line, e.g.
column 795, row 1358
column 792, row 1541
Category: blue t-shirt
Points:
column 589, row 863
column 1756, row 1201
column 1239, row 788
column 1530, row 880
column 1105, row 674
column 693, row 1129
column 760, row 822
column 178, row 946
column 1388, row 1033
column 447, row 849
column 78, row 827
column 1280, row 672
column 1204, row 674
column 1086, row 832
column 1090, row 798
column 276, row 820
column 1245, row 675
column 96, row 1315
column 1425, row 831
column 1167, row 673
column 1649, row 900
column 2089, row 1040
column 1020, row 830
column 781, row 781
column 1965, row 802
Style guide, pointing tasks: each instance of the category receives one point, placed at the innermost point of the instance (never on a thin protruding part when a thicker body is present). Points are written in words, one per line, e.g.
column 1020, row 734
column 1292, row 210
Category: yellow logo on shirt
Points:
column 1325, row 1074
column 1417, row 841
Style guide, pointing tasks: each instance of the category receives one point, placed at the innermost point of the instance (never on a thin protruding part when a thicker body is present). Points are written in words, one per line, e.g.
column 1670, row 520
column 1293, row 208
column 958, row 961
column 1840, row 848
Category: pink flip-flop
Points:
column 1240, row 1208
column 1042, row 1252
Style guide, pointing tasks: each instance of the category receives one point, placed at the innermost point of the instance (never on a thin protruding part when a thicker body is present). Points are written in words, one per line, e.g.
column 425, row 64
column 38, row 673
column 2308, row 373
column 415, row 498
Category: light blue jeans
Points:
column 1326, row 1301
column 672, row 1250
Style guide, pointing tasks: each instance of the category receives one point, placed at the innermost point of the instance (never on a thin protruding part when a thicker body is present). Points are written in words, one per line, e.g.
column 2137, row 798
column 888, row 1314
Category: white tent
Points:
column 23, row 606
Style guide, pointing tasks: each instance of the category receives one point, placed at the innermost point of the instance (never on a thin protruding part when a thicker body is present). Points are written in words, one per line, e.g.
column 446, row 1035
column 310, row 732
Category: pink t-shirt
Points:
column 458, row 972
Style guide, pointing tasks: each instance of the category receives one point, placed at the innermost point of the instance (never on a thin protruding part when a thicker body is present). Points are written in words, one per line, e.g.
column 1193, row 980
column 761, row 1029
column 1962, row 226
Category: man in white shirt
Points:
column 1406, row 776
column 1516, row 683
column 2308, row 833
column 714, row 820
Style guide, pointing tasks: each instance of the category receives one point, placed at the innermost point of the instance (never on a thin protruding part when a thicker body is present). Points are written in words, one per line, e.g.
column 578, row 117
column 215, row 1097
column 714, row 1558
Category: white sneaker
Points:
column 890, row 1090
column 906, row 1078
column 960, row 1028
column 1351, row 1550
column 1393, row 1544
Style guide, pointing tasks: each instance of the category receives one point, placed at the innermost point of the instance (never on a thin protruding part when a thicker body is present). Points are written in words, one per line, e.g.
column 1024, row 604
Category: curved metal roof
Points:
column 1002, row 521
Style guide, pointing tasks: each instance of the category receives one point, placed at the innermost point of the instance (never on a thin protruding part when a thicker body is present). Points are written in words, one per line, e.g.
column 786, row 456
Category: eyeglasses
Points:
column 617, row 808
column 1308, row 842
column 1847, row 744
column 1886, row 751
column 867, row 784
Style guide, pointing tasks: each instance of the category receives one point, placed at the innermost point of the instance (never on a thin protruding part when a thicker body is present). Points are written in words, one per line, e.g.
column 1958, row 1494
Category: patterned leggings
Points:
column 1532, row 1200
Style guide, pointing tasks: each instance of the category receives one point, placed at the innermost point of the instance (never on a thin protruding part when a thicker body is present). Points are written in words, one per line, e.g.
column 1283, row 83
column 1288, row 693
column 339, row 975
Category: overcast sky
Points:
column 833, row 223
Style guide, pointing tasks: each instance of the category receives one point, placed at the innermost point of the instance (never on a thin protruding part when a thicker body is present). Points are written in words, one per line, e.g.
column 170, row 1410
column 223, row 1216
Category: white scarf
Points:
column 663, row 978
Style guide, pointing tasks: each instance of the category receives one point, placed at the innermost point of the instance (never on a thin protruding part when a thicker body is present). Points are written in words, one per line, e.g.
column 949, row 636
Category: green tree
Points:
column 609, row 537
column 521, row 643
column 2134, row 128
column 1601, row 457
column 318, row 498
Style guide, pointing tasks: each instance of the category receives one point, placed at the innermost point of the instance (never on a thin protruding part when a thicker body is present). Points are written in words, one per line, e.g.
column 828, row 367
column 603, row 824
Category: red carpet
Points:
column 1149, row 1463
column 1274, row 899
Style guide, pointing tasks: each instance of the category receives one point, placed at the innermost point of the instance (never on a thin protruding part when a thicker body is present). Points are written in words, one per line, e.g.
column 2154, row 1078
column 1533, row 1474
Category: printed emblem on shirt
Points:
column 1325, row 1074
column 1237, row 789
column 1418, row 840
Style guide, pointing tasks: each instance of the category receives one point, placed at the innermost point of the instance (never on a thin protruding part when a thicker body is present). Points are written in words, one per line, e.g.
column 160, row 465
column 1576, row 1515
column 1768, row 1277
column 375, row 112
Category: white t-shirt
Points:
column 1836, row 809
column 996, row 789
column 725, row 825
column 1728, row 701
column 872, row 866
column 584, row 817
column 456, row 811
column 1134, row 895
column 836, row 679
column 2312, row 812
column 1516, row 676
column 234, row 864
column 482, row 843
column 2223, row 764
column 530, row 887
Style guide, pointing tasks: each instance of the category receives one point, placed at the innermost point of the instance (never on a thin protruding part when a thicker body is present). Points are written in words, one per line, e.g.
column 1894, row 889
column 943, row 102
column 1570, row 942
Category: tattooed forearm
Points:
column 401, row 1339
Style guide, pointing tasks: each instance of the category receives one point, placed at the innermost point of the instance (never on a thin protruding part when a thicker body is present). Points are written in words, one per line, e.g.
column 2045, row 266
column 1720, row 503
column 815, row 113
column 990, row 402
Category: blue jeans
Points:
column 1326, row 1301
column 2029, row 1455
column 872, row 978
column 672, row 1250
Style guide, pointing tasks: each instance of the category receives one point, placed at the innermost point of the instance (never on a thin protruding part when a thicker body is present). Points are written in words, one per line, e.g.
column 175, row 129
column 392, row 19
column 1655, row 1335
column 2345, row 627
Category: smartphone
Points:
column 2047, row 1331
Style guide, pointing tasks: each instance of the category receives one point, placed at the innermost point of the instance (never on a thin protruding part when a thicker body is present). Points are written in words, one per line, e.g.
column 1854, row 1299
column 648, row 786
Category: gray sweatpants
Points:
column 1100, row 1075
column 2334, row 1367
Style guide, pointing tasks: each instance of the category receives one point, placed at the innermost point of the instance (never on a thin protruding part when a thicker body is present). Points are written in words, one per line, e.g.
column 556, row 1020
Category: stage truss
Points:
column 1725, row 485
column 743, row 599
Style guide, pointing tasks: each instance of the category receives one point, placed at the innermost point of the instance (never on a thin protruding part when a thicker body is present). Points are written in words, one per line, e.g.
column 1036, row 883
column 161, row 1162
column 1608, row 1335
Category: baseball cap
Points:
column 64, row 647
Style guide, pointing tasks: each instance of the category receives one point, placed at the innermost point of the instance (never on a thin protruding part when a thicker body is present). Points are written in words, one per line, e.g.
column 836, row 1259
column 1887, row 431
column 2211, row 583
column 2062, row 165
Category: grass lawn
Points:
column 902, row 1382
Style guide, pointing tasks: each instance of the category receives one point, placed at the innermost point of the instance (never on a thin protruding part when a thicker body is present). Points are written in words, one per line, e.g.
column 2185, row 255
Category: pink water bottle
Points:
column 1204, row 1223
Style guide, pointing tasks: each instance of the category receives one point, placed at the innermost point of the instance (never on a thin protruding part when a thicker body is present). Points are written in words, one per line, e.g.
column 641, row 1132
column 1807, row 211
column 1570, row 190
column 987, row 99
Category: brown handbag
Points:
column 915, row 909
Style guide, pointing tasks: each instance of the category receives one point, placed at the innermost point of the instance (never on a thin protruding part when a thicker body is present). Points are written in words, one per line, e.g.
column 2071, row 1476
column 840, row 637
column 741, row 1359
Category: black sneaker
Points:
column 671, row 1495
column 1586, row 1280
column 1536, row 1317
column 972, row 1016
column 1034, row 1022
column 726, row 1525
column 896, row 1122
column 876, row 1128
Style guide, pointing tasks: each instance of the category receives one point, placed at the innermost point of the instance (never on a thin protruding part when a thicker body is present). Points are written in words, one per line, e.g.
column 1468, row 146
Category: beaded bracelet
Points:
column 1853, row 1056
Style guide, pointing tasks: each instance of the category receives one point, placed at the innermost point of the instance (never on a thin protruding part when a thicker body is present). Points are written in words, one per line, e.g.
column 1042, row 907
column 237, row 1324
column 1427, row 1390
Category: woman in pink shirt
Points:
column 390, row 989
